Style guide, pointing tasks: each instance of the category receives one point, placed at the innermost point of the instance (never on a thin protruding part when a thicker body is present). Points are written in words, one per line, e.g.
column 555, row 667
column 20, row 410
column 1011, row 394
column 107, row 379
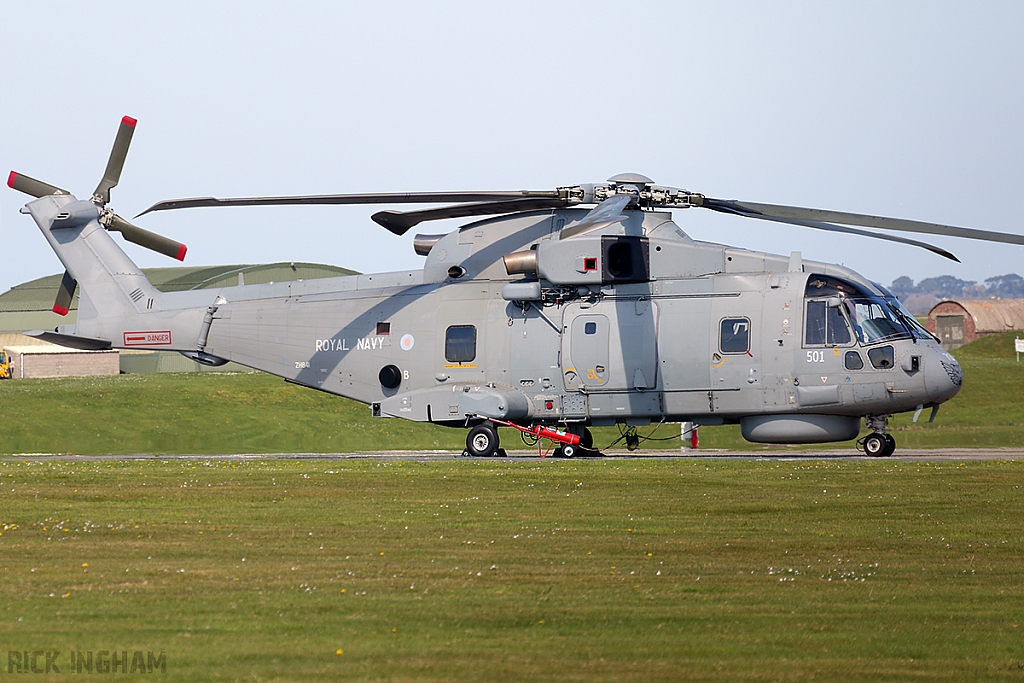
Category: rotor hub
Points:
column 646, row 195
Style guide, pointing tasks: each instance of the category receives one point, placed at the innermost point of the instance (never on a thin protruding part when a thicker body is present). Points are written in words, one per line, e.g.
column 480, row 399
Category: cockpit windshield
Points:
column 908, row 319
column 875, row 320
column 832, row 302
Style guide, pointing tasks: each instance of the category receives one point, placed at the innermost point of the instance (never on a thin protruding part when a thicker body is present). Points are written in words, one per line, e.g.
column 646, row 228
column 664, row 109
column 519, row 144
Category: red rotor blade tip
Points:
column 129, row 120
column 181, row 252
column 11, row 179
column 60, row 310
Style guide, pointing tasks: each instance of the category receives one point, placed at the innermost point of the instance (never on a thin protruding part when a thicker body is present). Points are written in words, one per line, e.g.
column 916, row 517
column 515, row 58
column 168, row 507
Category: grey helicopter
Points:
column 553, row 311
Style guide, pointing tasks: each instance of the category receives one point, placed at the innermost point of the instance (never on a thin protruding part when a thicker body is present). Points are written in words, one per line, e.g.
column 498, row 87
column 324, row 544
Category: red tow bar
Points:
column 542, row 432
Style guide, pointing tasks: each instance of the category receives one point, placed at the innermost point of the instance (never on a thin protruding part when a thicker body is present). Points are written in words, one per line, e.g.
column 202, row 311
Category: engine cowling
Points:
column 587, row 260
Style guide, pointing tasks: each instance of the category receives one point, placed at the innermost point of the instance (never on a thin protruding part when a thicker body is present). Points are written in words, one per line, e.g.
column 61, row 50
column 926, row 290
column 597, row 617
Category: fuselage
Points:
column 710, row 333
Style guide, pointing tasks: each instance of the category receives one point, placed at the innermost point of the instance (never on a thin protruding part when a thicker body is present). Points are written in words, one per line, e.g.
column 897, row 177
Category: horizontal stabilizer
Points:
column 69, row 340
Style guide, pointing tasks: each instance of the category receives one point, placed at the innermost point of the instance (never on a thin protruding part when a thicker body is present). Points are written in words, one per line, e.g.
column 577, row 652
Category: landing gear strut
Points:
column 878, row 444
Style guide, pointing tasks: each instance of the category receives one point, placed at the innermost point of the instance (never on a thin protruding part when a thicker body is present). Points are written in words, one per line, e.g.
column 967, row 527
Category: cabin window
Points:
column 735, row 336
column 854, row 361
column 590, row 328
column 825, row 325
column 460, row 344
column 383, row 329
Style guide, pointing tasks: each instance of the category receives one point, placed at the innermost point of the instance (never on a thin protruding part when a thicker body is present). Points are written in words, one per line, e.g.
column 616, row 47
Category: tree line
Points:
column 1009, row 286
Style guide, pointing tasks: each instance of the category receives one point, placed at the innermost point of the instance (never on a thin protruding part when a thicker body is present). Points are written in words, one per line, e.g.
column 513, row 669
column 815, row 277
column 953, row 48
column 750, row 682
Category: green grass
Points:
column 201, row 413
column 546, row 570
column 211, row 413
column 991, row 346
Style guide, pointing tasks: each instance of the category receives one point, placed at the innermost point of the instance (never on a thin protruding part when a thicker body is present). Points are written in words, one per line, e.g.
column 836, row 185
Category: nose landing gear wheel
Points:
column 878, row 445
column 482, row 441
column 874, row 445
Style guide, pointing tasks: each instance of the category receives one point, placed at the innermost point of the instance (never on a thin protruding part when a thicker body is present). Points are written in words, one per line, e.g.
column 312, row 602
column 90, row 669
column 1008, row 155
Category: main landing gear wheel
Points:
column 585, row 449
column 878, row 445
column 482, row 441
column 587, row 444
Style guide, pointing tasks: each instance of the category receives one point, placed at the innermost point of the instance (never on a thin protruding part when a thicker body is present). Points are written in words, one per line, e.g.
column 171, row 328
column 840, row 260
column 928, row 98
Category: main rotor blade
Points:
column 65, row 293
column 147, row 239
column 399, row 222
column 115, row 163
column 31, row 186
column 372, row 198
column 818, row 225
column 770, row 211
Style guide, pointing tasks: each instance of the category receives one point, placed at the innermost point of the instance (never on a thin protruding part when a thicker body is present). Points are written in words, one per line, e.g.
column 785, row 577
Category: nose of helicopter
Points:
column 943, row 376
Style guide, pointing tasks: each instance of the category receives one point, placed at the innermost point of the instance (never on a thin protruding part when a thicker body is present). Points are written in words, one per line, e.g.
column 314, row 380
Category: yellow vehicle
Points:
column 5, row 366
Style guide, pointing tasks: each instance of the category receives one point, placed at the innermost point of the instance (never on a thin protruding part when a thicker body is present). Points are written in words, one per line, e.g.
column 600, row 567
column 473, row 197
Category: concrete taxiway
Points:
column 902, row 455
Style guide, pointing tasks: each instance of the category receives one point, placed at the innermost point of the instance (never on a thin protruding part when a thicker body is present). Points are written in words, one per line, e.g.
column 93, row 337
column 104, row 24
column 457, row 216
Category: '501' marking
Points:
column 815, row 356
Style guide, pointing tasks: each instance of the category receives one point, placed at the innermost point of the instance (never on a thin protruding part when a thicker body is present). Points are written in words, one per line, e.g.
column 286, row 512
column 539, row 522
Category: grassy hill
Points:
column 255, row 413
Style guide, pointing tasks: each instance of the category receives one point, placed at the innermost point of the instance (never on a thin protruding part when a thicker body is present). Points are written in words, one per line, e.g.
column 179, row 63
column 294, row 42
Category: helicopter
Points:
column 551, row 312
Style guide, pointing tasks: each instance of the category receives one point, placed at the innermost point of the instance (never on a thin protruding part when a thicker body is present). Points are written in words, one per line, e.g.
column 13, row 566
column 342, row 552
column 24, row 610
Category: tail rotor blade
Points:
column 31, row 186
column 147, row 239
column 116, row 161
column 65, row 294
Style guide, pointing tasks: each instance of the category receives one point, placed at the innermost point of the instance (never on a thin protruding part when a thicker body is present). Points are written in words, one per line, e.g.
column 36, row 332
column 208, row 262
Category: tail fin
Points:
column 114, row 292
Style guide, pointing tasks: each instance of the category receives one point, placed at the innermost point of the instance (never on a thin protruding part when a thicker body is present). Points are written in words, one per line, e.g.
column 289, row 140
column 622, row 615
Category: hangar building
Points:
column 956, row 323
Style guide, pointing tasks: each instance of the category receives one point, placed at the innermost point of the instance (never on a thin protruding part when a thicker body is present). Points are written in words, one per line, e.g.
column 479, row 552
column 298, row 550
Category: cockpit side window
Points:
column 825, row 325
column 814, row 322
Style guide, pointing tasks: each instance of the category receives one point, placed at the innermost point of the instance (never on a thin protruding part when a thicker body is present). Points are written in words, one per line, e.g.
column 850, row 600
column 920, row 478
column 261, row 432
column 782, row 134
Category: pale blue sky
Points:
column 908, row 109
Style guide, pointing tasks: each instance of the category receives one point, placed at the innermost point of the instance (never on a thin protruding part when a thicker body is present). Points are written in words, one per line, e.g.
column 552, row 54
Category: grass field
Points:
column 545, row 570
column 254, row 413
column 588, row 570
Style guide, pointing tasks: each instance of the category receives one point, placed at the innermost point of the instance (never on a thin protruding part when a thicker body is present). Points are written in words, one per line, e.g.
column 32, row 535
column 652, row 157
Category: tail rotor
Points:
column 107, row 218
